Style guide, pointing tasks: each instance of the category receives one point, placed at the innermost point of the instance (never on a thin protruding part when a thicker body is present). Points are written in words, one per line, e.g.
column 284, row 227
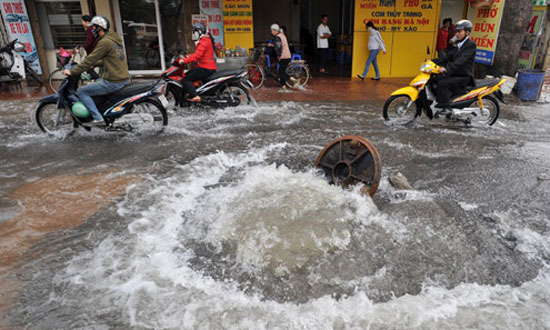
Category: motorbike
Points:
column 13, row 67
column 227, row 88
column 137, row 107
column 478, row 105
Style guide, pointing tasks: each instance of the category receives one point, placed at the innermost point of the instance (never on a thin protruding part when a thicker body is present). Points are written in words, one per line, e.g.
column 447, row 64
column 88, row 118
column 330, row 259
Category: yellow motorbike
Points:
column 477, row 106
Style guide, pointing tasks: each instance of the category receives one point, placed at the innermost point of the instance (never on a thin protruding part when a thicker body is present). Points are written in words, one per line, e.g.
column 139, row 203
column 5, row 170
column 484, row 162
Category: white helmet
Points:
column 275, row 27
column 100, row 21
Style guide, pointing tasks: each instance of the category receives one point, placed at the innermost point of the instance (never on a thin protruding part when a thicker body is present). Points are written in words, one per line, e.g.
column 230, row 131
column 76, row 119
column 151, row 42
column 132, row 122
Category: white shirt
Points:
column 462, row 42
column 321, row 31
column 375, row 41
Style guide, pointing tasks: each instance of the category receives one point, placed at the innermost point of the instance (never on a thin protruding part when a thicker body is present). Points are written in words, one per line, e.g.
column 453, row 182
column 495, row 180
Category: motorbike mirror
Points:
column 19, row 47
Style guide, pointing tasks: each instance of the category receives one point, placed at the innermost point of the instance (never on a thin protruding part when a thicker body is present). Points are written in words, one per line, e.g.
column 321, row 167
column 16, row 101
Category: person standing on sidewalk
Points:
column 323, row 33
column 376, row 44
column 443, row 35
column 283, row 54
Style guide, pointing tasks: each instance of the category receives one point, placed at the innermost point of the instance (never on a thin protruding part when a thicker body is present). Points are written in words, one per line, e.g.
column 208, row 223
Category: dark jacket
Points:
column 109, row 49
column 459, row 62
column 91, row 41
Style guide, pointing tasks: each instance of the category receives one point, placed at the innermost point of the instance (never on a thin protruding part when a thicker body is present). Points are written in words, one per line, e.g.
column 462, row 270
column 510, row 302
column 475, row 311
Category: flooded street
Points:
column 222, row 222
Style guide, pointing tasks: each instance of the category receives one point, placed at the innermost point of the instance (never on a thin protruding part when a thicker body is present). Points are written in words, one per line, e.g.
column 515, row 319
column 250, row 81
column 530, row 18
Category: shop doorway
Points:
column 301, row 19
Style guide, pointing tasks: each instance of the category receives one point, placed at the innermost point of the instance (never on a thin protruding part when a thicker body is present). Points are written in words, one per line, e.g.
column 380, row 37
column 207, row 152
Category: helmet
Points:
column 100, row 21
column 275, row 27
column 199, row 26
column 463, row 25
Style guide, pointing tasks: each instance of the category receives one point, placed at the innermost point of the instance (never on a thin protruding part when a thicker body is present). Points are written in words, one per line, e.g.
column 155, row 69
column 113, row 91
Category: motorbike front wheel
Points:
column 489, row 113
column 400, row 110
column 54, row 121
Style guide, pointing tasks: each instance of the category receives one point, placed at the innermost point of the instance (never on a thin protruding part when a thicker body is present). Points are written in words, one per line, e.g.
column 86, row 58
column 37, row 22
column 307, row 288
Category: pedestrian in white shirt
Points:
column 323, row 33
column 375, row 45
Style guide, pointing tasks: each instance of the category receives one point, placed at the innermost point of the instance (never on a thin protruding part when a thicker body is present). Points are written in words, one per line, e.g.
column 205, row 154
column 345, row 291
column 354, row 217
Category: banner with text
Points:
column 238, row 24
column 18, row 25
column 486, row 23
column 397, row 16
column 530, row 41
column 213, row 10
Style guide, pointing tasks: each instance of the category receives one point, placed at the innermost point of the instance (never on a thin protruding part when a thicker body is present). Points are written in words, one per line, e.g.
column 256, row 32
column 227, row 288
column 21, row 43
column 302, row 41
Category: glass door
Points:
column 140, row 29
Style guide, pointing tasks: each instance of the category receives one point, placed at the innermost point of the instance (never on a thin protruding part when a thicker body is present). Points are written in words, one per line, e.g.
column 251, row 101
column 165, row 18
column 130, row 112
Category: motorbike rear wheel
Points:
column 239, row 92
column 53, row 121
column 149, row 116
column 490, row 112
column 400, row 110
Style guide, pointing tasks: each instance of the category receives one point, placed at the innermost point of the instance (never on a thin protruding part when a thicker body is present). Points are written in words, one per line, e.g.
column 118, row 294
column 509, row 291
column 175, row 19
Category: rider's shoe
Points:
column 95, row 123
column 445, row 112
column 195, row 99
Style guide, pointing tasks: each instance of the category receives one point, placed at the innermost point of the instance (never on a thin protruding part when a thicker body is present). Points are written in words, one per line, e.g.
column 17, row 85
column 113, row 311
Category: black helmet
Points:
column 199, row 26
column 463, row 25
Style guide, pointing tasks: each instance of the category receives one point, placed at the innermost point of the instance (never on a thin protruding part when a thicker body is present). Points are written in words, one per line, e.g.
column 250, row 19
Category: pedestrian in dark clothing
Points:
column 90, row 43
column 283, row 54
column 457, row 67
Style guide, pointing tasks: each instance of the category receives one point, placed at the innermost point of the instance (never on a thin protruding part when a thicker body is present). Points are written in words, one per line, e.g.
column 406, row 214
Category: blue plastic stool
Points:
column 296, row 57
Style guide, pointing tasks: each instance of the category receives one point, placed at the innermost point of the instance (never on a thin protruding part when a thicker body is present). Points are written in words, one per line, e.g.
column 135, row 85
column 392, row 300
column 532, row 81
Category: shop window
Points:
column 141, row 39
column 60, row 23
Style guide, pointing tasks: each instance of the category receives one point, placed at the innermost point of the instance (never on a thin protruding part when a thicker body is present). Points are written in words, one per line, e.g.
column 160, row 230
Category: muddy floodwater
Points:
column 222, row 222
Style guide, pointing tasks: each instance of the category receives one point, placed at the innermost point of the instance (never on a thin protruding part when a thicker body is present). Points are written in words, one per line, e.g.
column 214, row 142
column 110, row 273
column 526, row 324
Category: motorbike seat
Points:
column 103, row 101
column 223, row 73
column 486, row 82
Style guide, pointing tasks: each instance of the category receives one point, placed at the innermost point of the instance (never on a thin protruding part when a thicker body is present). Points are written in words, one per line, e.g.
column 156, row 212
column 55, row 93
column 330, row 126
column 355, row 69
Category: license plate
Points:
column 163, row 100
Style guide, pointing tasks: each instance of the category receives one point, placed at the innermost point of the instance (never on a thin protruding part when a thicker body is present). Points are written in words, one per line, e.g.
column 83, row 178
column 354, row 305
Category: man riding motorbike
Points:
column 110, row 50
column 204, row 54
column 457, row 67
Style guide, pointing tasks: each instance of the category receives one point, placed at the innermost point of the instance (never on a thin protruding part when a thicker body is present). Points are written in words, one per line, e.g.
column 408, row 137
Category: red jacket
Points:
column 442, row 37
column 204, row 54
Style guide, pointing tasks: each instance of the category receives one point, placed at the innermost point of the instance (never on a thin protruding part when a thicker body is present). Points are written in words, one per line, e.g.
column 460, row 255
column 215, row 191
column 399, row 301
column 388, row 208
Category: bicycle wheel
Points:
column 152, row 57
column 299, row 74
column 255, row 75
column 56, row 74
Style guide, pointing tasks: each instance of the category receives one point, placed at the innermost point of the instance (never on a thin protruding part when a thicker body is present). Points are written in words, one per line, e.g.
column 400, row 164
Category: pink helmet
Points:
column 64, row 53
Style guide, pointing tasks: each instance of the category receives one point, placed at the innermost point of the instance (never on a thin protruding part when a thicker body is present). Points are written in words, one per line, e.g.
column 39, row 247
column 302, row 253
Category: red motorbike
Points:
column 227, row 88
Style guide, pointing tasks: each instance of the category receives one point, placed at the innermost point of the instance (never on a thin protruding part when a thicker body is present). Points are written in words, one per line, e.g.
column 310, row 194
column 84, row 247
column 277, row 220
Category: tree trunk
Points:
column 515, row 18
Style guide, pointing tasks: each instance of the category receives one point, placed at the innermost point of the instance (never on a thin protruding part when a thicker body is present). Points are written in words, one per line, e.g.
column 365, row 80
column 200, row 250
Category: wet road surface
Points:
column 222, row 222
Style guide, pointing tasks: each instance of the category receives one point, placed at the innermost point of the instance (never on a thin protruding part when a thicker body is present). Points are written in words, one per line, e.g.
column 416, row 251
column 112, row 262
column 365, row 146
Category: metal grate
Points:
column 65, row 23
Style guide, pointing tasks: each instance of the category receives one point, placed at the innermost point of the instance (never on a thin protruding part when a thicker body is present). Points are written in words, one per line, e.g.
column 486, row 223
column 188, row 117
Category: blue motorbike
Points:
column 139, row 107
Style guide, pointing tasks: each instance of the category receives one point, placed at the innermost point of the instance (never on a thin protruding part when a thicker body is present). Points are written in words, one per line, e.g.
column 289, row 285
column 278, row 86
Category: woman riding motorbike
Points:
column 204, row 54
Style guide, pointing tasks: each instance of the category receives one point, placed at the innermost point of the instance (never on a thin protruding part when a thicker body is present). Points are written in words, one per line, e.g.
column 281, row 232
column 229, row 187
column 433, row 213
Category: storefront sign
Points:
column 539, row 2
column 237, row 16
column 530, row 41
column 213, row 11
column 17, row 22
column 397, row 16
column 199, row 19
column 486, row 23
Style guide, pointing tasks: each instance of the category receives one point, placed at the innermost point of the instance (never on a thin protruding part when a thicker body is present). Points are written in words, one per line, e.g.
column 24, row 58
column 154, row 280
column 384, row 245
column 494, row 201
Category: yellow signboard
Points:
column 486, row 23
column 238, row 24
column 406, row 26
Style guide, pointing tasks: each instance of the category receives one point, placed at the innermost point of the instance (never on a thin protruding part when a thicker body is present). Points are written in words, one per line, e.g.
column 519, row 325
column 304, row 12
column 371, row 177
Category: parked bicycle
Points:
column 65, row 57
column 261, row 67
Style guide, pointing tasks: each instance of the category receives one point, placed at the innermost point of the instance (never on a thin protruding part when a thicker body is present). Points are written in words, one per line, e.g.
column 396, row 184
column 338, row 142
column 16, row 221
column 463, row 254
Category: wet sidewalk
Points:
column 318, row 89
